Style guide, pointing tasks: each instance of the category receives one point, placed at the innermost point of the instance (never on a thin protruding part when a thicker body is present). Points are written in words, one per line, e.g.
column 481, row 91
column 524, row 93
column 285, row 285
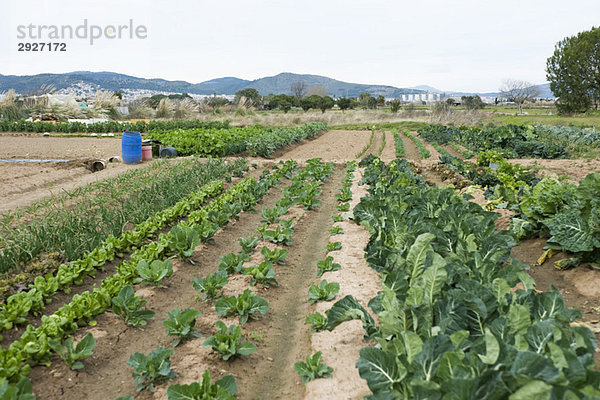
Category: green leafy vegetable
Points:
column 318, row 322
column 245, row 305
column 223, row 389
column 182, row 325
column 228, row 342
column 71, row 355
column 154, row 272
column 262, row 273
column 324, row 292
column 275, row 256
column 313, row 368
column 327, row 265
column 151, row 369
column 128, row 305
column 211, row 284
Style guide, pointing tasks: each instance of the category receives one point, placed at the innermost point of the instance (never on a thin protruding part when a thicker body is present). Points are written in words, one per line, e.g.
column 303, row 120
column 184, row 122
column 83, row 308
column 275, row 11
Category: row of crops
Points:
column 257, row 140
column 77, row 222
column 567, row 214
column 106, row 126
column 512, row 141
column 148, row 263
column 457, row 317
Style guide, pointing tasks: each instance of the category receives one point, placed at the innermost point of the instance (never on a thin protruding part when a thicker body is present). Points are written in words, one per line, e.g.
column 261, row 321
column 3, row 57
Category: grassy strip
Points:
column 72, row 232
column 17, row 360
column 367, row 146
column 380, row 152
column 398, row 144
column 420, row 146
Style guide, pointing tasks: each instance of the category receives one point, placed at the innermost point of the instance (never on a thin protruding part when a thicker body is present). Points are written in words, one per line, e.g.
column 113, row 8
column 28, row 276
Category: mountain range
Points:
column 278, row 84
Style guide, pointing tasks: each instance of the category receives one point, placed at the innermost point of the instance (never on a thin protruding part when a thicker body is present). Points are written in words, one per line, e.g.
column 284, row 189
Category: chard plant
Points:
column 275, row 256
column 128, row 305
column 246, row 305
column 71, row 355
column 228, row 342
column 326, row 291
column 211, row 284
column 327, row 265
column 313, row 368
column 223, row 389
column 181, row 324
column 151, row 369
column 262, row 273
column 154, row 272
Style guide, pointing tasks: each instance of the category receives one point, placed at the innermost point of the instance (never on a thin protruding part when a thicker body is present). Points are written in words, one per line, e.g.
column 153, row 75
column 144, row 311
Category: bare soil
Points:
column 336, row 146
column 25, row 183
column 572, row 170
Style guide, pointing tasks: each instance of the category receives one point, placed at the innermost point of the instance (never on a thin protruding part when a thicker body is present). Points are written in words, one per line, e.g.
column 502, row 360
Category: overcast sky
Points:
column 460, row 45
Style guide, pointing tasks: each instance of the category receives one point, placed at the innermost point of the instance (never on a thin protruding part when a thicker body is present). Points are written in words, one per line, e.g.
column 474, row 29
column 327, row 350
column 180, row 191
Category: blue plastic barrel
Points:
column 131, row 144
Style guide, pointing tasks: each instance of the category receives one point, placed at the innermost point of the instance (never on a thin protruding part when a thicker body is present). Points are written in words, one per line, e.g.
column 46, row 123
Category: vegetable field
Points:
column 305, row 263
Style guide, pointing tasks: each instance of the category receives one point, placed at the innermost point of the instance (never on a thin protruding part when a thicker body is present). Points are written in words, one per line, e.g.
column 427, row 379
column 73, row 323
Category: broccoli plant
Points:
column 154, row 272
column 71, row 355
column 151, row 369
column 327, row 265
column 210, row 285
column 324, row 292
column 245, row 305
column 182, row 324
column 313, row 368
column 228, row 342
column 128, row 305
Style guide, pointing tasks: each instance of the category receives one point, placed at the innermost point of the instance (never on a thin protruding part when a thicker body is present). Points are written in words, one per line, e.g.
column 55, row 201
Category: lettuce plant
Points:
column 228, row 342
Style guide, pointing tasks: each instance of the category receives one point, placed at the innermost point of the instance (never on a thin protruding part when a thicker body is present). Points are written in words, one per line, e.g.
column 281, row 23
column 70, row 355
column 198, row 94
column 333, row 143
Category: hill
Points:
column 278, row 84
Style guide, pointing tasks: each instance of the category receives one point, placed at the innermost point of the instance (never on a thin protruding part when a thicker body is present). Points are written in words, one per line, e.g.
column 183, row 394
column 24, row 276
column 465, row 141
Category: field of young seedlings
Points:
column 306, row 263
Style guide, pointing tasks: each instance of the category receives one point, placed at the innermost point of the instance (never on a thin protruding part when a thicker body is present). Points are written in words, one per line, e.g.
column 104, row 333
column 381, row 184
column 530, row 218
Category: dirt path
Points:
column 575, row 170
column 411, row 152
column 341, row 346
column 336, row 146
column 452, row 151
column 389, row 152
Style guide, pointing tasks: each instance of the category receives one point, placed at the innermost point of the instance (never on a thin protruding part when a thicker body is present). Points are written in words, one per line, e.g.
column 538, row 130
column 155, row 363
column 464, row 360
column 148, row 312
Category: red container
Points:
column 146, row 153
